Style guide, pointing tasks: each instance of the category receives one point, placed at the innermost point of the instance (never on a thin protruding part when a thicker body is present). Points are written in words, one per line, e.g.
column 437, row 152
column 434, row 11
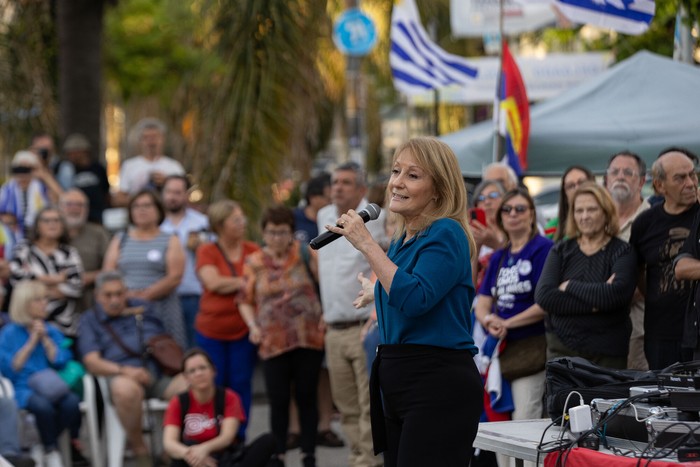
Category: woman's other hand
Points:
column 366, row 294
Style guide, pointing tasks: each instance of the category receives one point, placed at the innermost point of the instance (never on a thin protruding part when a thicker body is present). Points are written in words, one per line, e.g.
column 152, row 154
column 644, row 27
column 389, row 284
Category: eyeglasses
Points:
column 518, row 208
column 629, row 173
column 277, row 233
column 492, row 195
column 73, row 204
column 239, row 220
column 193, row 370
column 115, row 294
column 142, row 205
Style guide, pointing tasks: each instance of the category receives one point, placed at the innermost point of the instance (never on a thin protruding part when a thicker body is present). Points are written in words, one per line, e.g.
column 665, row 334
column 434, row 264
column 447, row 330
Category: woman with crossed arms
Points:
column 587, row 284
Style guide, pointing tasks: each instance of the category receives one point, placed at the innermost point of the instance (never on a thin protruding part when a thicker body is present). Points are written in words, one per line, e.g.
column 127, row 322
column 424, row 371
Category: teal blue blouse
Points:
column 432, row 291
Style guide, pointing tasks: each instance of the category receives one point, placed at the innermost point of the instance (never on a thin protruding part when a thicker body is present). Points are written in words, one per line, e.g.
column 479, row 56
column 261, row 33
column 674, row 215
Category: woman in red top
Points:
column 220, row 330
column 207, row 438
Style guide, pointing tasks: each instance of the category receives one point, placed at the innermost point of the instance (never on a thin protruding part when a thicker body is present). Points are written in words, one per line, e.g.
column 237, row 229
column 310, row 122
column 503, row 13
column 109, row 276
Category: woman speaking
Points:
column 431, row 388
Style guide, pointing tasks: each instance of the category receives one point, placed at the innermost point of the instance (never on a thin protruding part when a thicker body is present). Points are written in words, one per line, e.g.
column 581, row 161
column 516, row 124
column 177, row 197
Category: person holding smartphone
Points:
column 488, row 237
column 30, row 188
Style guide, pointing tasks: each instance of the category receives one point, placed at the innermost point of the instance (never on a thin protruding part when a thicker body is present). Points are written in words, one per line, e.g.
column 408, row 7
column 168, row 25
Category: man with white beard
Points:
column 89, row 239
column 624, row 179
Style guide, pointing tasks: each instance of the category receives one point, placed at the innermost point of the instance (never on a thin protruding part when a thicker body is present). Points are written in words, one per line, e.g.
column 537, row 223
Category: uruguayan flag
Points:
column 417, row 63
column 626, row 16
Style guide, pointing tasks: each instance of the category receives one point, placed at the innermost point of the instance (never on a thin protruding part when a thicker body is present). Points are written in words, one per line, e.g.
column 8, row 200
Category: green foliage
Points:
column 658, row 38
column 240, row 79
column 28, row 73
column 269, row 50
column 148, row 46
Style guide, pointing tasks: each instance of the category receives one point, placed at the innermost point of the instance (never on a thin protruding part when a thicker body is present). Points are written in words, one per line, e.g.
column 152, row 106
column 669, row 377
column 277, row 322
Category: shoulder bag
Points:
column 162, row 348
column 521, row 357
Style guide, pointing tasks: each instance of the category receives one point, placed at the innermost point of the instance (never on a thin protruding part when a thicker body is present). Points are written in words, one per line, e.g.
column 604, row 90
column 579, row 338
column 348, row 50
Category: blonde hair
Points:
column 23, row 293
column 219, row 212
column 601, row 195
column 440, row 163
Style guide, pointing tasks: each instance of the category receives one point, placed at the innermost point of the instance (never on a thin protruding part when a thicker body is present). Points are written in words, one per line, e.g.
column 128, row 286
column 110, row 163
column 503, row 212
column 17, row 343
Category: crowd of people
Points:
column 396, row 326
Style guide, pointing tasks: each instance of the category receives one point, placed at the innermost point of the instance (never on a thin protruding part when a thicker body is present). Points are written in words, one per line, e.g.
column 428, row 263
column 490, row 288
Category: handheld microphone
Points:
column 370, row 213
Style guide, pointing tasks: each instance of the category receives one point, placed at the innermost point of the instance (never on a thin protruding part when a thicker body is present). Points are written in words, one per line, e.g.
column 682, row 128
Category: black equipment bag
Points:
column 566, row 374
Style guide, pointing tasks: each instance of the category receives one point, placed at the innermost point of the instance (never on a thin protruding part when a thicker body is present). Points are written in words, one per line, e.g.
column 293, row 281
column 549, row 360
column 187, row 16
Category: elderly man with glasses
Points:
column 624, row 179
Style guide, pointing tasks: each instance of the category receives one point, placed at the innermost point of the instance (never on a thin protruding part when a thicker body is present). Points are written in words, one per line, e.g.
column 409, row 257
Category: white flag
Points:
column 626, row 16
column 417, row 63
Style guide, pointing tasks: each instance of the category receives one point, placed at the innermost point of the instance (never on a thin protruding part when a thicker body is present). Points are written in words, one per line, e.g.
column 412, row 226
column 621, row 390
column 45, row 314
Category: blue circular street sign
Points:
column 354, row 33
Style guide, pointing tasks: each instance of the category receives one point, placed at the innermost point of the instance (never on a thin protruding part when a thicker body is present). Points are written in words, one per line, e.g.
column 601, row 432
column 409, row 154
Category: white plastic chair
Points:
column 87, row 408
column 114, row 432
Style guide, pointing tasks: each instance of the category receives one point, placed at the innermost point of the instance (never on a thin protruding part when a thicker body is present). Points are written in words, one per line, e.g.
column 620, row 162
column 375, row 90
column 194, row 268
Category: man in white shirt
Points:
column 149, row 169
column 339, row 263
column 191, row 228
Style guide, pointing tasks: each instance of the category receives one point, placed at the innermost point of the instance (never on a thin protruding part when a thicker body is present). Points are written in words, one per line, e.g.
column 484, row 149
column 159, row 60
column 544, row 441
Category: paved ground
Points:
column 325, row 457
column 259, row 423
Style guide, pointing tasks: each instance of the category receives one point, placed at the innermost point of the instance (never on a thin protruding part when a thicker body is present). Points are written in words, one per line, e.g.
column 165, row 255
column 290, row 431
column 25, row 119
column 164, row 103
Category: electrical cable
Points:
column 607, row 415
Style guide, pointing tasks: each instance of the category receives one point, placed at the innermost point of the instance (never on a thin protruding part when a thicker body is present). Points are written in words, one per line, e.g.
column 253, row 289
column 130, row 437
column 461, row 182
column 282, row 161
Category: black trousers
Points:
column 300, row 367
column 433, row 398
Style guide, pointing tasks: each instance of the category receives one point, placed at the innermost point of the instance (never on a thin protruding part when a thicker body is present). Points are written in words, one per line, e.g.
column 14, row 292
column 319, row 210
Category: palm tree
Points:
column 264, row 99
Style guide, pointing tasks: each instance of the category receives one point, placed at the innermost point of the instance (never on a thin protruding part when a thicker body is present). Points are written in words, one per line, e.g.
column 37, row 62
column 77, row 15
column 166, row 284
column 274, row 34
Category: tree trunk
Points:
column 79, row 24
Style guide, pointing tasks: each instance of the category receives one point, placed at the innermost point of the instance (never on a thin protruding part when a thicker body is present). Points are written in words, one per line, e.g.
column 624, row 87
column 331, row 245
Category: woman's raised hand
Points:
column 351, row 226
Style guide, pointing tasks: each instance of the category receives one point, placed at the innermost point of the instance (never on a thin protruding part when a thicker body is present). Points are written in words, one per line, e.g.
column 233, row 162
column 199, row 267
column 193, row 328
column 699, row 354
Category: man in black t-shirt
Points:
column 657, row 236
column 687, row 267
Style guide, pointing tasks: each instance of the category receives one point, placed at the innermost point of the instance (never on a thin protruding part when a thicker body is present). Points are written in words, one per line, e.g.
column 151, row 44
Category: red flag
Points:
column 515, row 112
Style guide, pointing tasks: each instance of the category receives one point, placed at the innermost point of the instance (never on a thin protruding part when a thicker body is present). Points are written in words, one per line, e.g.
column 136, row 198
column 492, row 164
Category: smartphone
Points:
column 478, row 215
column 44, row 154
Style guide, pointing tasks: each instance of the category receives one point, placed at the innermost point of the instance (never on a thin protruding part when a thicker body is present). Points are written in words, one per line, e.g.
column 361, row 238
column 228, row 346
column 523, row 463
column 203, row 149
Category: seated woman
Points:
column 30, row 351
column 210, row 416
column 587, row 284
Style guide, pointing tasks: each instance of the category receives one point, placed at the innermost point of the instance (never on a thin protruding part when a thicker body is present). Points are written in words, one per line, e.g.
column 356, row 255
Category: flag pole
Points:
column 432, row 30
column 436, row 110
column 682, row 38
column 497, row 147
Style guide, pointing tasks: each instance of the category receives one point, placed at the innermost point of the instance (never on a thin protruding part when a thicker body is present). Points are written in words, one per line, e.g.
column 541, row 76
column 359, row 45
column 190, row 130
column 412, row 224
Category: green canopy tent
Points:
column 642, row 104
